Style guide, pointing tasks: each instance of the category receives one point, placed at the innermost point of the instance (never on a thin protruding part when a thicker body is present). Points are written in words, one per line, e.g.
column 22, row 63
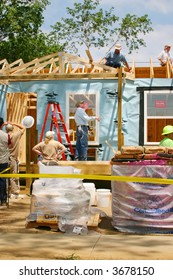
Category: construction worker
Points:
column 82, row 119
column 165, row 56
column 5, row 143
column 167, row 141
column 14, row 155
column 50, row 150
column 116, row 59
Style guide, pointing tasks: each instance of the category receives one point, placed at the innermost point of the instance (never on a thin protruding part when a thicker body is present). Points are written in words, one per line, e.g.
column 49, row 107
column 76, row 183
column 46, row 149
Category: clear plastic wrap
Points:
column 142, row 207
column 64, row 198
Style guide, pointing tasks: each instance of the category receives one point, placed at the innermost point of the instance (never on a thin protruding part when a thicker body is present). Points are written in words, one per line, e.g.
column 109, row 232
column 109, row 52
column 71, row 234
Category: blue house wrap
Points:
column 107, row 107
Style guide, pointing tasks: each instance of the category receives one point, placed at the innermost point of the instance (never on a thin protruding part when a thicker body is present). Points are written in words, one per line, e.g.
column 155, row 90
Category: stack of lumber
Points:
column 143, row 153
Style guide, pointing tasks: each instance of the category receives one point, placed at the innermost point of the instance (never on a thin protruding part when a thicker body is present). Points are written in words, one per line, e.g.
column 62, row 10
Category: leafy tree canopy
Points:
column 20, row 30
column 91, row 26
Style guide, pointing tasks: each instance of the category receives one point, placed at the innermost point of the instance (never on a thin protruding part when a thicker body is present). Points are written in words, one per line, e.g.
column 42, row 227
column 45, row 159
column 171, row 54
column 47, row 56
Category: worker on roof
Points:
column 165, row 56
column 167, row 141
column 116, row 59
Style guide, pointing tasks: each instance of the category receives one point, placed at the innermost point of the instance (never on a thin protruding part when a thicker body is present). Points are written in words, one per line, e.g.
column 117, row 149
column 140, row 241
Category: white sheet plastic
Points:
column 142, row 207
column 61, row 197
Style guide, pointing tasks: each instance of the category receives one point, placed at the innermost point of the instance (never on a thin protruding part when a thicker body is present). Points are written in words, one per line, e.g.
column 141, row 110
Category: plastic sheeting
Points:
column 142, row 207
column 61, row 197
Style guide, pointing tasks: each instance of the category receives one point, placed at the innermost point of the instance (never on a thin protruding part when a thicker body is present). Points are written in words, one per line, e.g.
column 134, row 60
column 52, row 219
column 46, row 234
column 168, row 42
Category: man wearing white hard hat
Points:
column 15, row 136
column 116, row 59
column 50, row 150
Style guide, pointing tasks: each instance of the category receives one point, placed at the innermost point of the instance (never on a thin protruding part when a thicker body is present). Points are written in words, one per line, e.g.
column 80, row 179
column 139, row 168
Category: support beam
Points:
column 28, row 156
column 89, row 56
column 120, row 134
column 61, row 63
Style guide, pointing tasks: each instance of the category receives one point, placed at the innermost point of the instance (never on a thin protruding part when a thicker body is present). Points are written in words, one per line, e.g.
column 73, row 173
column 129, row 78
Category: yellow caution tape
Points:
column 93, row 177
column 5, row 170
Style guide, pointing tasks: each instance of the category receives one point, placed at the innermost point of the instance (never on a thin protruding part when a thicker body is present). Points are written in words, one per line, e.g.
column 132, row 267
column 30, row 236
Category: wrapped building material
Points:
column 142, row 207
column 63, row 198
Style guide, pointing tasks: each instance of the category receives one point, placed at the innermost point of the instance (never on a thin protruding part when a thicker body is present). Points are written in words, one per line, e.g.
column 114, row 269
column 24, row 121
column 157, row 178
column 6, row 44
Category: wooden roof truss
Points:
column 55, row 66
column 62, row 66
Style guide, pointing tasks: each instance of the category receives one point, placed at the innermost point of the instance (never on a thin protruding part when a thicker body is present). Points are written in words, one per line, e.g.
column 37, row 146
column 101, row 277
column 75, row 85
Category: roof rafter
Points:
column 56, row 66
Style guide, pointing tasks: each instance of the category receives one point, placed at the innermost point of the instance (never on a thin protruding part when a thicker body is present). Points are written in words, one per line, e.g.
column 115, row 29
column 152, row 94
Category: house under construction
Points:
column 132, row 106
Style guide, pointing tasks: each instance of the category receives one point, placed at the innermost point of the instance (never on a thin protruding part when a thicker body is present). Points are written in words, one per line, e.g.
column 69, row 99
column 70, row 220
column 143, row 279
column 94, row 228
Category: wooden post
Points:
column 28, row 157
column 120, row 134
column 167, row 70
column 61, row 62
column 90, row 58
column 35, row 143
column 151, row 69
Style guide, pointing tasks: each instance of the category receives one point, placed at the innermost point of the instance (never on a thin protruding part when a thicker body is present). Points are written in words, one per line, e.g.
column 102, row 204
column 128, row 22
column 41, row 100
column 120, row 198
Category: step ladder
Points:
column 57, row 123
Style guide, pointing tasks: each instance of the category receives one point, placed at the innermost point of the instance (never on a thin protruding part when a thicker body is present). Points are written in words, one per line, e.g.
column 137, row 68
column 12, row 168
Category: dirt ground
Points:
column 101, row 243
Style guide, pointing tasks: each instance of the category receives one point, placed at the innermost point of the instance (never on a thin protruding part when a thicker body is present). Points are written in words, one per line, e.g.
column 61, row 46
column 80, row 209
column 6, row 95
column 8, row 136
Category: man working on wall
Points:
column 82, row 119
column 14, row 155
column 115, row 58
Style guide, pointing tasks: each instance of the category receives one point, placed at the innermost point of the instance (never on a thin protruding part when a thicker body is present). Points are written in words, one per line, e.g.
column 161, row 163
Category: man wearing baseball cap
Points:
column 116, row 59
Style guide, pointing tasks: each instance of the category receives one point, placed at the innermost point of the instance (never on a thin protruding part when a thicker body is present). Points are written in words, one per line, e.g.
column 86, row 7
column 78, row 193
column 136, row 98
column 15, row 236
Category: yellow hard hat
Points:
column 167, row 129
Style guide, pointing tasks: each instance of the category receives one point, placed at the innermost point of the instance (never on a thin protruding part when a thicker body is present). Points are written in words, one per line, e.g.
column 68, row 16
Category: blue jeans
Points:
column 3, row 192
column 115, row 65
column 81, row 143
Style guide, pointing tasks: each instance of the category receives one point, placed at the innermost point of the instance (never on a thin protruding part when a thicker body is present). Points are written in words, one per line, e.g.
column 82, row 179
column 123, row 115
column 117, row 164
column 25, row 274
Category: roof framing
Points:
column 56, row 66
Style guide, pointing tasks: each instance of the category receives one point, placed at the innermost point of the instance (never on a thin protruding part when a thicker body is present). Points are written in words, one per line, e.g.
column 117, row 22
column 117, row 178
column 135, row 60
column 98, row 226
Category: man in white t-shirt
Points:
column 165, row 56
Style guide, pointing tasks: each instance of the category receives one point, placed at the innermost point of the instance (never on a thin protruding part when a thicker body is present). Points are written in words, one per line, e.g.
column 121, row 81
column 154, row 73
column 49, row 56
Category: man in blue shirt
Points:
column 116, row 59
column 82, row 119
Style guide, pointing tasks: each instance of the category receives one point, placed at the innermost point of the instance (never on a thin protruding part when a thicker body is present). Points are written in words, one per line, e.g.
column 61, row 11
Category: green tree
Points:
column 91, row 26
column 20, row 30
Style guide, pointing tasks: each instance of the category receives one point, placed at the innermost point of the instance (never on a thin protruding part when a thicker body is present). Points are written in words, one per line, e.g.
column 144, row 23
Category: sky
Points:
column 160, row 12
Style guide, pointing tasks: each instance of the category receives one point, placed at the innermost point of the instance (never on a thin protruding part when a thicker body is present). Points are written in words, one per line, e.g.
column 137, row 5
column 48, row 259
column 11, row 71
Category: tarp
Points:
column 142, row 207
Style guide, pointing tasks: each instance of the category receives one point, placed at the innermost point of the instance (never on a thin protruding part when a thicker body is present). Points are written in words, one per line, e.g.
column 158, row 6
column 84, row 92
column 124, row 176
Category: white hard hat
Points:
column 50, row 134
column 9, row 127
column 28, row 121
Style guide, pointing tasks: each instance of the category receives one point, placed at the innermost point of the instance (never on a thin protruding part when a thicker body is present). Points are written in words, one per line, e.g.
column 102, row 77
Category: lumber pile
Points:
column 143, row 154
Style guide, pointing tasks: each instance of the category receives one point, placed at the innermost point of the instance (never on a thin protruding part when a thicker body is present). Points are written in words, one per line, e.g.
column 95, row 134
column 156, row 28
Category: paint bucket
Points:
column 90, row 187
column 103, row 198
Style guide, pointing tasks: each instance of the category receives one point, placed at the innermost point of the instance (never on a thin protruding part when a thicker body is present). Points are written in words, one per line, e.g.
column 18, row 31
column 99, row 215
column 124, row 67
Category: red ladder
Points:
column 56, row 123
